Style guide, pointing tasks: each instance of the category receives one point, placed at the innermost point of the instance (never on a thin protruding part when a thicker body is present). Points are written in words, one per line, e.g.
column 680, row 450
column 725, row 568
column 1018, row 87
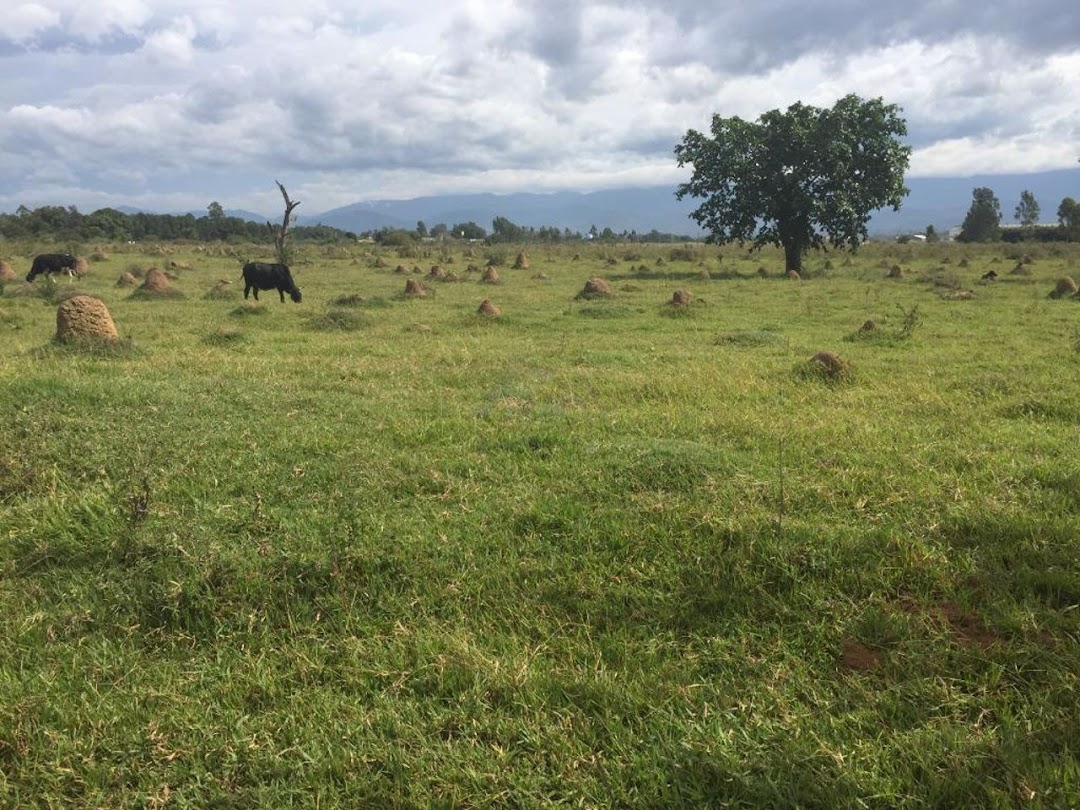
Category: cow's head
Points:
column 294, row 294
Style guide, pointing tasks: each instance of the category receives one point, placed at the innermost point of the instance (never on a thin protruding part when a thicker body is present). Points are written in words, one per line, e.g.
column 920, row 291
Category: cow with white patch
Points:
column 48, row 263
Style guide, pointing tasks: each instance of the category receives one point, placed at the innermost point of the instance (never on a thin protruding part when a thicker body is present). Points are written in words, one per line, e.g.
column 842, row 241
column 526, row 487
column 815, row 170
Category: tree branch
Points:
column 281, row 234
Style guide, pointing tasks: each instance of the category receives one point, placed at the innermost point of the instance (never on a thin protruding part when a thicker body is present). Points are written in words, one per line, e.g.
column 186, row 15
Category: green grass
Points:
column 388, row 553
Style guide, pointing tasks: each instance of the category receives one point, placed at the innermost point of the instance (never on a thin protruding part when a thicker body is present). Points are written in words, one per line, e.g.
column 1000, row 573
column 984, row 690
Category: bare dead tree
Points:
column 281, row 234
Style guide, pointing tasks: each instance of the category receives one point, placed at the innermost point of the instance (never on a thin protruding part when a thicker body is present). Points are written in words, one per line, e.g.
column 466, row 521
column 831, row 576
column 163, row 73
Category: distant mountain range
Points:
column 938, row 201
column 239, row 213
column 633, row 209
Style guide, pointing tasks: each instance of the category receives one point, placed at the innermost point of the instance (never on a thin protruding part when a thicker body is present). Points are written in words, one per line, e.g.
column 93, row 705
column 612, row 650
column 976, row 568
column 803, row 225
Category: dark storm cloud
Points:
column 553, row 31
column 756, row 36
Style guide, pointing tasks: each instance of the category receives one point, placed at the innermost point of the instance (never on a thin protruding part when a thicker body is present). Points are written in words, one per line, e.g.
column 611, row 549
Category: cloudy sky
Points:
column 171, row 104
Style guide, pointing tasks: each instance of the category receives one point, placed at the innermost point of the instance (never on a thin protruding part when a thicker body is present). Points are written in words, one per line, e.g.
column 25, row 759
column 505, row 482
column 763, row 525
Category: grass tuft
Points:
column 339, row 320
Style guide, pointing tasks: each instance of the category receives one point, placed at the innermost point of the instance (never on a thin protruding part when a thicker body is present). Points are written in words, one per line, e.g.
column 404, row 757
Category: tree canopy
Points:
column 798, row 178
column 1027, row 210
column 1069, row 217
column 983, row 219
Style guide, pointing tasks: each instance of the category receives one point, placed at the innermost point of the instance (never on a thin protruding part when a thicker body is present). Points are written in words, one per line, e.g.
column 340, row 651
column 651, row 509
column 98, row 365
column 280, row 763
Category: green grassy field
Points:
column 372, row 551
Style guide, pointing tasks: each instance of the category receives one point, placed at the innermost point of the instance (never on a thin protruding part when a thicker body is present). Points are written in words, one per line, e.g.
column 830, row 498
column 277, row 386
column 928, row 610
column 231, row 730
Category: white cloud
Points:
column 475, row 95
column 27, row 20
column 95, row 19
column 961, row 157
column 173, row 44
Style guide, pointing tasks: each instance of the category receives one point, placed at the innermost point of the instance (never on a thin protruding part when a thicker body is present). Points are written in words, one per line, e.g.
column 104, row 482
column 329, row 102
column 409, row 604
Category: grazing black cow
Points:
column 49, row 263
column 263, row 276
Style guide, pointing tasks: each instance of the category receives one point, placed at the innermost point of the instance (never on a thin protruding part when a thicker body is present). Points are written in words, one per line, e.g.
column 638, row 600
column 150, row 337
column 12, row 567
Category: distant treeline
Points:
column 67, row 226
column 1037, row 233
column 505, row 231
column 53, row 223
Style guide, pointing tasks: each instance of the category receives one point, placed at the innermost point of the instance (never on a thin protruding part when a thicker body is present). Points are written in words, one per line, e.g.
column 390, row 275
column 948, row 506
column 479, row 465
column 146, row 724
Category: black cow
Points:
column 263, row 276
column 989, row 276
column 49, row 263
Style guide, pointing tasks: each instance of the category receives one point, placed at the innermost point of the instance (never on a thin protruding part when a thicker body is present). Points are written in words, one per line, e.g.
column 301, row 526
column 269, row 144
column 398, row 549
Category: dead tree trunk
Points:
column 281, row 234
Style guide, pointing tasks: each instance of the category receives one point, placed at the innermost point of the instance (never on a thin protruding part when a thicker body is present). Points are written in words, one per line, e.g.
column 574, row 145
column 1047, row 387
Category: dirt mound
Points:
column 126, row 280
column 828, row 365
column 681, row 298
column 415, row 289
column 1064, row 288
column 155, row 281
column 856, row 657
column 156, row 284
column 896, row 271
column 521, row 262
column 867, row 327
column 595, row 288
column 490, row 276
column 488, row 309
column 437, row 272
column 541, row 276
column 1021, row 270
column 6, row 272
column 401, row 269
column 82, row 267
column 84, row 317
column 793, row 275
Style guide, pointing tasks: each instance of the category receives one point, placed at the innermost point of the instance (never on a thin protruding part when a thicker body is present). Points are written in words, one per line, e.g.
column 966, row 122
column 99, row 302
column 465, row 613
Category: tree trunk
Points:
column 793, row 252
column 282, row 234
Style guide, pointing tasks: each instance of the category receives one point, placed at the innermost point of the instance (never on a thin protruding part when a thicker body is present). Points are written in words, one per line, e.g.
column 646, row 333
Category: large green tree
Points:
column 1027, row 210
column 983, row 220
column 1069, row 217
column 798, row 178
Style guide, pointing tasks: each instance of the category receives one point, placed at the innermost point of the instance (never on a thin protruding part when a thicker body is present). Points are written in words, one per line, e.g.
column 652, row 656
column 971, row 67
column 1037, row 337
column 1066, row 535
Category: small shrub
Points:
column 752, row 337
column 115, row 349
column 9, row 319
column 220, row 292
column 910, row 320
column 348, row 300
column 338, row 320
column 226, row 336
column 604, row 312
column 249, row 309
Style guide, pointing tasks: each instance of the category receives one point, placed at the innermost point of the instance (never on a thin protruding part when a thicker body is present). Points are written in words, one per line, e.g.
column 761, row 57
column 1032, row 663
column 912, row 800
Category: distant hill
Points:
column 938, row 201
column 239, row 213
column 944, row 201
column 638, row 209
